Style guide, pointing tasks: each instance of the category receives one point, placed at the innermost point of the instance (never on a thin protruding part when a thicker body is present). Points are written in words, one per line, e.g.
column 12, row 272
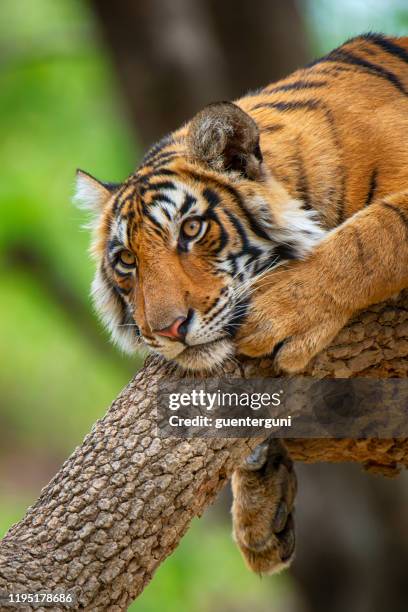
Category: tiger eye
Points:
column 127, row 258
column 191, row 227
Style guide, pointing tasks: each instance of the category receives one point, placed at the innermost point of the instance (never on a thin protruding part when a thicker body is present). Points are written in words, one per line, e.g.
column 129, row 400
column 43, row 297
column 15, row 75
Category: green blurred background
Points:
column 61, row 108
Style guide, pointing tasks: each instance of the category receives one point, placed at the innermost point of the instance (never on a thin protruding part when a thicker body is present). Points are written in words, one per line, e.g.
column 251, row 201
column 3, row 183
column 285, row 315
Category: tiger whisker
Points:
column 247, row 285
column 127, row 325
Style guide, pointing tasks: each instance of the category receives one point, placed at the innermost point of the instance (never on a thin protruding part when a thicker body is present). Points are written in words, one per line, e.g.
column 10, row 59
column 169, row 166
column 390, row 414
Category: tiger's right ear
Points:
column 91, row 194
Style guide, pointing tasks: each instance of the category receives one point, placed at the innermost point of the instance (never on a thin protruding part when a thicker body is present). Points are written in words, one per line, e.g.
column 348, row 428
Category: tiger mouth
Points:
column 205, row 356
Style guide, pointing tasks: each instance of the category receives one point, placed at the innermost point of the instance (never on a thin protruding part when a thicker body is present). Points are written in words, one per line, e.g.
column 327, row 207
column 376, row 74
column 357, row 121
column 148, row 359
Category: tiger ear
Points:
column 92, row 194
column 225, row 138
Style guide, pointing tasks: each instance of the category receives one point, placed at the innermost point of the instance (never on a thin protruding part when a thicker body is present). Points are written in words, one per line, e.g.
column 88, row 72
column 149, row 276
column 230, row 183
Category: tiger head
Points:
column 179, row 243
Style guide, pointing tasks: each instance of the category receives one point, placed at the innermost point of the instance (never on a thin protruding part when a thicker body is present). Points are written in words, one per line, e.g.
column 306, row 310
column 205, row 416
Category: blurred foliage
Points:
column 330, row 23
column 60, row 109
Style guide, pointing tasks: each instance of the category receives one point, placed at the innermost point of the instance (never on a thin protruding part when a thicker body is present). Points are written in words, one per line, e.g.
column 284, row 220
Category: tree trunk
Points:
column 174, row 56
column 121, row 503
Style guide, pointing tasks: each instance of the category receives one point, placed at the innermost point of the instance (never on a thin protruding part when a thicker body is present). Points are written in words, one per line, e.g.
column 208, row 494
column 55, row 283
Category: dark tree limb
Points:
column 121, row 503
column 174, row 56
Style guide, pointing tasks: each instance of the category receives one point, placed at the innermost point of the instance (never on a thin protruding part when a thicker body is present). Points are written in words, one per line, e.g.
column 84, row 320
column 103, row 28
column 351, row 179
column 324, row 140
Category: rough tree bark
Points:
column 120, row 504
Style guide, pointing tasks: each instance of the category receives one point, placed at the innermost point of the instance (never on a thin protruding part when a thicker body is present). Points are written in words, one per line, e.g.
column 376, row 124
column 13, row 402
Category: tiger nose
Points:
column 176, row 331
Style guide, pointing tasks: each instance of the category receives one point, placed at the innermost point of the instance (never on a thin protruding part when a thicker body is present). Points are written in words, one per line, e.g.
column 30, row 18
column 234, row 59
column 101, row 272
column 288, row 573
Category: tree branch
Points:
column 121, row 503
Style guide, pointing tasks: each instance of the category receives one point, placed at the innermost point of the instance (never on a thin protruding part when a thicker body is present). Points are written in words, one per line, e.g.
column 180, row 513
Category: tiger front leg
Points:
column 302, row 306
column 292, row 316
column 264, row 490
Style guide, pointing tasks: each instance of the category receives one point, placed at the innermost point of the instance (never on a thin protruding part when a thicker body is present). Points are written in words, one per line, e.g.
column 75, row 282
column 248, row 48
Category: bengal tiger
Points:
column 260, row 227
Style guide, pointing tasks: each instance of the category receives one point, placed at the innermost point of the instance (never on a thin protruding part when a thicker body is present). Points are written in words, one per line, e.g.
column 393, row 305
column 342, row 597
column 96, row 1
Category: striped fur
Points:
column 309, row 175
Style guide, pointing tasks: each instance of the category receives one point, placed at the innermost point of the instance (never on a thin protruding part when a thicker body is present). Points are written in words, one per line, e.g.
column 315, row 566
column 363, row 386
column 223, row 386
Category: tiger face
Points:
column 180, row 242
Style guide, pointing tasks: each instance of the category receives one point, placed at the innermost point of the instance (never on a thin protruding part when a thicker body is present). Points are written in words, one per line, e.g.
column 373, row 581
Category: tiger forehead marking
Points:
column 158, row 207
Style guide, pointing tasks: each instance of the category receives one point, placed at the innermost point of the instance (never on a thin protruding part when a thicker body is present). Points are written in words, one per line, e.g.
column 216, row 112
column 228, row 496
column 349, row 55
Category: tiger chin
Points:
column 262, row 223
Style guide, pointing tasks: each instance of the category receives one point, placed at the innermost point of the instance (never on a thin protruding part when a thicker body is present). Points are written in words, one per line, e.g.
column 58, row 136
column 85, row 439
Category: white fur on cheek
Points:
column 299, row 227
column 108, row 306
column 290, row 224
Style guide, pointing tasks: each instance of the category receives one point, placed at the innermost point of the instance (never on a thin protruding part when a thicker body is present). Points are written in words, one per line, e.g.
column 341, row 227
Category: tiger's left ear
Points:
column 225, row 138
column 92, row 194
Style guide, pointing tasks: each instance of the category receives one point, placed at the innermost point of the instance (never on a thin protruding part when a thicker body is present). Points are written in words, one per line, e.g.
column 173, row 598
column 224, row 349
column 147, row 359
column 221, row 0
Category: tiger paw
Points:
column 293, row 319
column 293, row 353
column 264, row 490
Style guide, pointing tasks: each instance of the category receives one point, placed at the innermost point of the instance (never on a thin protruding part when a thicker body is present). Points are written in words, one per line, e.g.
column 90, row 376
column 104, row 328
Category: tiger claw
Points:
column 281, row 517
column 257, row 459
